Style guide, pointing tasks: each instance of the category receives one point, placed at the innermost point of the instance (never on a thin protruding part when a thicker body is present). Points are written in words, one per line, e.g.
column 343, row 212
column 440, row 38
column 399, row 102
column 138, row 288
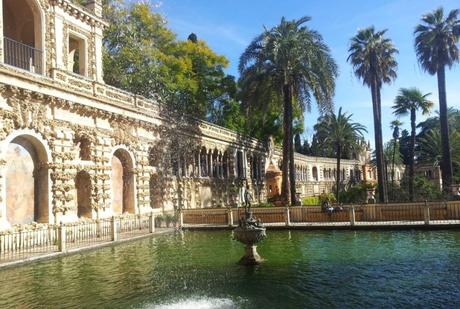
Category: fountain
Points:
column 250, row 231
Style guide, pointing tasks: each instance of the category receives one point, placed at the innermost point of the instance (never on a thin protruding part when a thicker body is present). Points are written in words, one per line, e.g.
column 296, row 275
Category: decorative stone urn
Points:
column 249, row 232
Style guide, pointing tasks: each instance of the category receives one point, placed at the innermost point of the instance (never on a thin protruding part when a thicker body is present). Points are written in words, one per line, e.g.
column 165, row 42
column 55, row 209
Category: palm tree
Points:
column 373, row 59
column 342, row 135
column 395, row 126
column 408, row 101
column 430, row 145
column 288, row 63
column 436, row 47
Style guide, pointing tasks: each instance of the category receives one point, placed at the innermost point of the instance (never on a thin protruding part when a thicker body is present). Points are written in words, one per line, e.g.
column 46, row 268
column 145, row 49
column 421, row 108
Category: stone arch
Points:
column 123, row 182
column 24, row 30
column 26, row 178
column 314, row 172
column 83, row 186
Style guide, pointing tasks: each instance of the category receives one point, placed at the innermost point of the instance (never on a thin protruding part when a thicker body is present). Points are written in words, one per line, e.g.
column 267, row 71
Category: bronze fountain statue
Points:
column 250, row 231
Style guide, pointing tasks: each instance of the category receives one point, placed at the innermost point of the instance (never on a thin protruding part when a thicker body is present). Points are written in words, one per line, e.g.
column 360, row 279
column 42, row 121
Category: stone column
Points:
column 114, row 231
column 352, row 216
column 426, row 213
column 197, row 166
column 1, row 34
column 230, row 217
column 222, row 166
column 179, row 167
column 98, row 46
column 210, row 164
column 61, row 240
column 152, row 223
column 245, row 164
column 181, row 219
column 288, row 216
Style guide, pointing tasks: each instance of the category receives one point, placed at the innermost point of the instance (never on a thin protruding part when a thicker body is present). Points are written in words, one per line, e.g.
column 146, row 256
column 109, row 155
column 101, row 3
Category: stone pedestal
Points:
column 250, row 234
column 251, row 257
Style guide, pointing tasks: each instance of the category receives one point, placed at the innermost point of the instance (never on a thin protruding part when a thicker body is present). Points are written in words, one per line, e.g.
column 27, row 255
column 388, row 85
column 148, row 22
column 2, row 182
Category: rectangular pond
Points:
column 198, row 270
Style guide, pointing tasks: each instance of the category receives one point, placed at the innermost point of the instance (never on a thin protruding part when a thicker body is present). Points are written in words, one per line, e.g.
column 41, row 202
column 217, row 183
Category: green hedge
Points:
column 310, row 201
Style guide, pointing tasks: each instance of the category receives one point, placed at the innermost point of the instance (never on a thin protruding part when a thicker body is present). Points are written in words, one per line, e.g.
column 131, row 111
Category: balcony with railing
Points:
column 22, row 56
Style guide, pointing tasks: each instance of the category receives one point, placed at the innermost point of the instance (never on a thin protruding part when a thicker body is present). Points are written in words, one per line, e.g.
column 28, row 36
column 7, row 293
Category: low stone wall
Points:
column 432, row 212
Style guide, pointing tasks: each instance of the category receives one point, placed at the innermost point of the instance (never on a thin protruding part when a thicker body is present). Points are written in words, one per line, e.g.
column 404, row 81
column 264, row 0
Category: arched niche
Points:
column 123, row 200
column 315, row 173
column 83, row 186
column 26, row 181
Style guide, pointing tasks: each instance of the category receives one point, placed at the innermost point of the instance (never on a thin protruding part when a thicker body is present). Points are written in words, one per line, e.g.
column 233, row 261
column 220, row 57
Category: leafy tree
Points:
column 436, row 47
column 226, row 110
column 424, row 190
column 297, row 143
column 408, row 101
column 430, row 132
column 315, row 148
column 404, row 146
column 430, row 149
column 373, row 59
column 288, row 63
column 143, row 56
column 341, row 135
column 453, row 119
column 196, row 75
column 306, row 149
column 133, row 42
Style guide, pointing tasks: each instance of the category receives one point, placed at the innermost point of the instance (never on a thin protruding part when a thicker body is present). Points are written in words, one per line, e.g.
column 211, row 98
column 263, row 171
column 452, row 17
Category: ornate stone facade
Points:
column 97, row 151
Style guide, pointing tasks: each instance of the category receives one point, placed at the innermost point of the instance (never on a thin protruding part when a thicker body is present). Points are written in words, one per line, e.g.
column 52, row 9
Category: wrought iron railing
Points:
column 22, row 56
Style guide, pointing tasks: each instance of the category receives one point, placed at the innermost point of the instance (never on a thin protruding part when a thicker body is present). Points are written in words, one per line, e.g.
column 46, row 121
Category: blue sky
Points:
column 229, row 25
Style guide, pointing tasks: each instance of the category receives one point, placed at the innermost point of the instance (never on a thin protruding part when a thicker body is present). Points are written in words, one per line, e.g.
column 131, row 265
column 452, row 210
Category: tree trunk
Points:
column 287, row 141
column 337, row 179
column 395, row 141
column 446, row 164
column 292, row 171
column 383, row 196
column 412, row 154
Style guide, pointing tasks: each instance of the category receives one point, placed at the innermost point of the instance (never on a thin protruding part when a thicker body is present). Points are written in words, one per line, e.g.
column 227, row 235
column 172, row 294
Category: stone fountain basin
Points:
column 249, row 236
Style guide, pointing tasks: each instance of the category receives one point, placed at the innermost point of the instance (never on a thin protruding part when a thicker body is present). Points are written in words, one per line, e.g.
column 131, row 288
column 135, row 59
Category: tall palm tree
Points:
column 342, row 135
column 373, row 59
column 436, row 41
column 395, row 126
column 288, row 63
column 408, row 101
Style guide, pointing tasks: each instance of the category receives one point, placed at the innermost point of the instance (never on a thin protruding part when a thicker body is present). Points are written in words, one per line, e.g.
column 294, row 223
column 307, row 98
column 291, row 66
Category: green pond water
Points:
column 331, row 269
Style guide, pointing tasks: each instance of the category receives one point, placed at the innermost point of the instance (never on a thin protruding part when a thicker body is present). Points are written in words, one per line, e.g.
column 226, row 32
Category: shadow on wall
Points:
column 192, row 171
